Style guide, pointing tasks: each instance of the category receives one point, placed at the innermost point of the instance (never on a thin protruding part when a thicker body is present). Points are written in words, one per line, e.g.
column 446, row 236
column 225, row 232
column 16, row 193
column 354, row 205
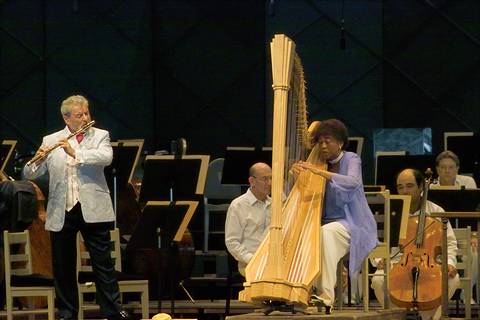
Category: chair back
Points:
column 18, row 259
column 214, row 189
column 83, row 256
column 463, row 236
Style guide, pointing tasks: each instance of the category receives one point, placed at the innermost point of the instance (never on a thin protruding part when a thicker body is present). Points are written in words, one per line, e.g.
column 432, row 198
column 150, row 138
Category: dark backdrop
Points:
column 165, row 69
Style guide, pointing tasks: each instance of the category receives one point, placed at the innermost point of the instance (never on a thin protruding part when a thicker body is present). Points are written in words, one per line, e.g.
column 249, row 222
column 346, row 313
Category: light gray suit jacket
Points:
column 94, row 153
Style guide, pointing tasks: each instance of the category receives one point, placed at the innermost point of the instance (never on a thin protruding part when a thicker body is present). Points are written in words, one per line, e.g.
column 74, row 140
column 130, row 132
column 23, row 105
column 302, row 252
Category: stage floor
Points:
column 350, row 314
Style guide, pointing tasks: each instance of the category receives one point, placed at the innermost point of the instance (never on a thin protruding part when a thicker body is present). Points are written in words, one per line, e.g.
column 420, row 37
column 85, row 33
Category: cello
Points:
column 416, row 281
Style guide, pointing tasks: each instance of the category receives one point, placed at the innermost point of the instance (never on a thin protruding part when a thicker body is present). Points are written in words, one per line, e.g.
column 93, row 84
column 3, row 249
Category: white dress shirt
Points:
column 72, row 178
column 246, row 225
column 461, row 181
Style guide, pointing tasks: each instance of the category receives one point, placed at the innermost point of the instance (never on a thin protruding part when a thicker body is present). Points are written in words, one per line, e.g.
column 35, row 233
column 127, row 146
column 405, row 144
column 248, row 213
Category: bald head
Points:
column 257, row 167
column 260, row 180
column 409, row 182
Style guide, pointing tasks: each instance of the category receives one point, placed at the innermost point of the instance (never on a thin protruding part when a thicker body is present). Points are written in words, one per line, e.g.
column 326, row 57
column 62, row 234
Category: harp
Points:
column 288, row 260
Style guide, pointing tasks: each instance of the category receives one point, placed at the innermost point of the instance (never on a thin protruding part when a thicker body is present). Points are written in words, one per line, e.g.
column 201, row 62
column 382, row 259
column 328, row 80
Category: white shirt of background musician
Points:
column 246, row 225
column 72, row 178
column 461, row 181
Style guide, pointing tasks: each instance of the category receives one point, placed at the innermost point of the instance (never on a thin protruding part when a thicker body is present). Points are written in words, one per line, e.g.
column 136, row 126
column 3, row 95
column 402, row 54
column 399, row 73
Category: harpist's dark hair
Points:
column 332, row 127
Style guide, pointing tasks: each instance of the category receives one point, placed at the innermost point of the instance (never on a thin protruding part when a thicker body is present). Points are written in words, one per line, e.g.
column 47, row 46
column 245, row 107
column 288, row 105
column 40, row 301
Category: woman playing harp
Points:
column 347, row 222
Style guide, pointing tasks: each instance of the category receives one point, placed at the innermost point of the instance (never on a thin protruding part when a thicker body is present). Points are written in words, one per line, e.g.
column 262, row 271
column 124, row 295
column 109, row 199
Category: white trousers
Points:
column 378, row 283
column 334, row 243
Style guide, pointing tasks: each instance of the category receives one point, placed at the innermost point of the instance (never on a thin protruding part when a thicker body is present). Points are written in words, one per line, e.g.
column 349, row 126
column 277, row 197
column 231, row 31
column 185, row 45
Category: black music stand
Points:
column 168, row 179
column 238, row 161
column 467, row 148
column 458, row 200
column 388, row 166
column 355, row 144
column 118, row 174
column 153, row 247
column 398, row 219
column 125, row 157
column 6, row 151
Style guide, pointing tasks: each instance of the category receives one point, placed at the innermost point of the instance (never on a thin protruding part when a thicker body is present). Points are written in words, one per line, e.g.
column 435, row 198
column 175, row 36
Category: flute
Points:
column 42, row 156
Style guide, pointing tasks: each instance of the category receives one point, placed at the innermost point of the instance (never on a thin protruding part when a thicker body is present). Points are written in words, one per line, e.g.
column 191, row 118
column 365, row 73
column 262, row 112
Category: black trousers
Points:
column 64, row 255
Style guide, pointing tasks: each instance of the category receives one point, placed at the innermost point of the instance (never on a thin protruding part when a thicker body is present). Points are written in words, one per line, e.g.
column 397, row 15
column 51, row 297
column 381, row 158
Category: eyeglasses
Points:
column 264, row 179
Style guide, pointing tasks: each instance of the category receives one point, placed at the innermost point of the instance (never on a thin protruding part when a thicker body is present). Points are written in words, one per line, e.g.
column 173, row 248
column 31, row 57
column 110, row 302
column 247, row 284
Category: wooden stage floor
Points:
column 345, row 314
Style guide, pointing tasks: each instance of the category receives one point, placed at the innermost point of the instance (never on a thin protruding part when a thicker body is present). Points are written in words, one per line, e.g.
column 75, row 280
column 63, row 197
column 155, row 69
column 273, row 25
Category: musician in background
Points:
column 410, row 182
column 347, row 222
column 248, row 216
column 447, row 165
column 79, row 200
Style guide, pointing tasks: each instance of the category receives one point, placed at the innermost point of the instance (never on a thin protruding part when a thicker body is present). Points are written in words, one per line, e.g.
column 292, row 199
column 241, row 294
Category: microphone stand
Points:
column 114, row 174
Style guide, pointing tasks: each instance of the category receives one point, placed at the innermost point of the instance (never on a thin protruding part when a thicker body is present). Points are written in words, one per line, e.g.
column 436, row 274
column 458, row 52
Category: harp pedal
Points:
column 321, row 303
column 271, row 306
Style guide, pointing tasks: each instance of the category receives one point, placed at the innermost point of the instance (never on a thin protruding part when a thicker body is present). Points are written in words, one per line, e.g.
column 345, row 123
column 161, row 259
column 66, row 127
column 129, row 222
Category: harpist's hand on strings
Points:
column 296, row 170
column 312, row 168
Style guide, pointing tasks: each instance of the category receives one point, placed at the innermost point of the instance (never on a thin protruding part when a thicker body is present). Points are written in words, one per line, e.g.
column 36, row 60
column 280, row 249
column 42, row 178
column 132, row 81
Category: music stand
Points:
column 118, row 174
column 161, row 229
column 458, row 200
column 124, row 162
column 466, row 145
column 399, row 213
column 173, row 178
column 238, row 161
column 389, row 164
column 355, row 144
column 169, row 178
column 126, row 155
column 6, row 151
column 399, row 207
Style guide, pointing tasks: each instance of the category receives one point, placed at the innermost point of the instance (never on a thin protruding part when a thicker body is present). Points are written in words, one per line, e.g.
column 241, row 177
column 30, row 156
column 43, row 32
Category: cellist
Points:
column 410, row 182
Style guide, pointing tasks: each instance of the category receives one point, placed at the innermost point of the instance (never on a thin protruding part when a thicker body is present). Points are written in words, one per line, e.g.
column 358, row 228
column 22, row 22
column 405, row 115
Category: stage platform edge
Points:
column 392, row 314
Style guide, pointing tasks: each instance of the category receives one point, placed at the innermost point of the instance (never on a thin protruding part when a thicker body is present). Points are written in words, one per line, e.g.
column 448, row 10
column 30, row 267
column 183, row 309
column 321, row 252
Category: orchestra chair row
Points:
column 464, row 268
column 126, row 282
column 217, row 196
column 20, row 281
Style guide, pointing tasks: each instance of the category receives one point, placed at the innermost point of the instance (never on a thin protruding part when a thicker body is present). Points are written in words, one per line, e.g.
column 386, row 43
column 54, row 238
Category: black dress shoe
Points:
column 122, row 315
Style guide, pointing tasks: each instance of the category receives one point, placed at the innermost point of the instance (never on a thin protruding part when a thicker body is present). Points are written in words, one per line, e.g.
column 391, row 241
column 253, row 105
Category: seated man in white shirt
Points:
column 248, row 216
column 447, row 165
column 410, row 182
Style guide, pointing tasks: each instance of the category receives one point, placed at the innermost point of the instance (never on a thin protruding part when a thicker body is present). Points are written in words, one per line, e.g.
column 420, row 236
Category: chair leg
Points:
column 227, row 298
column 468, row 300
column 365, row 285
column 31, row 306
column 339, row 288
column 9, row 301
column 80, row 306
column 144, row 301
column 51, row 305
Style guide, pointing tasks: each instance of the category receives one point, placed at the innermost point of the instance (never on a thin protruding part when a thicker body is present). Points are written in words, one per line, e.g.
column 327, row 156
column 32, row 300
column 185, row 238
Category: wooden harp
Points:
column 288, row 260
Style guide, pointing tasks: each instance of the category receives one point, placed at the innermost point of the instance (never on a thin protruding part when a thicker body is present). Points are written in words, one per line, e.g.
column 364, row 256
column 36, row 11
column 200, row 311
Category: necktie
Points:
column 79, row 137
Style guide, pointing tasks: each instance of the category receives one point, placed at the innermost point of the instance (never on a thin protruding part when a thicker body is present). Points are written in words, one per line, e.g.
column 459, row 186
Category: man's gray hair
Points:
column 72, row 101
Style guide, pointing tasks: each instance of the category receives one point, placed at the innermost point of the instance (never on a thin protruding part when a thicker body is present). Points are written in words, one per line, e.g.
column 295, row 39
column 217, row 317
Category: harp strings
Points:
column 296, row 142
